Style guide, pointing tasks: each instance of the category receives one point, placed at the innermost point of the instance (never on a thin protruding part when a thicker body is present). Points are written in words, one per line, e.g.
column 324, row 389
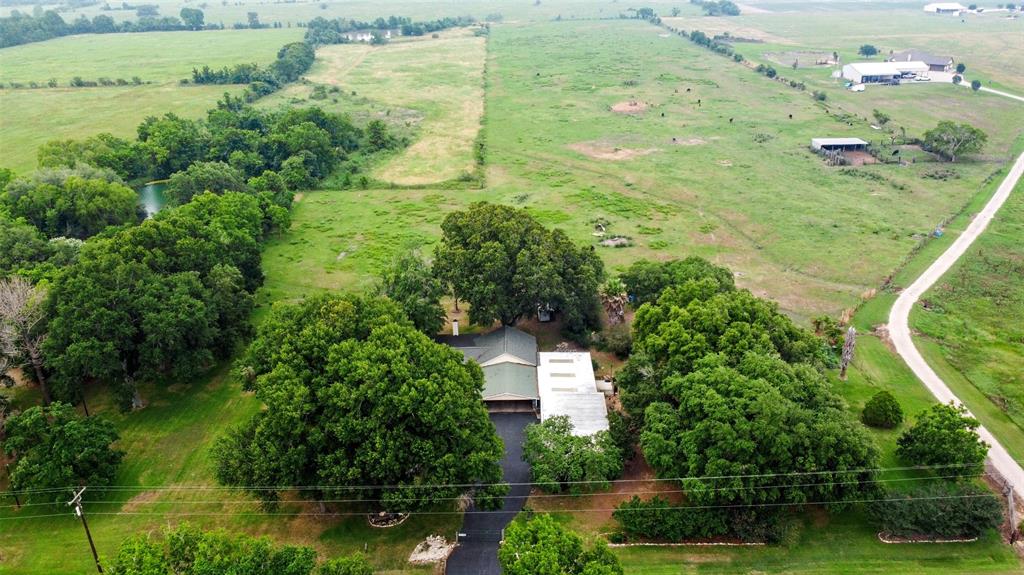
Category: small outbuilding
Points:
column 945, row 8
column 838, row 144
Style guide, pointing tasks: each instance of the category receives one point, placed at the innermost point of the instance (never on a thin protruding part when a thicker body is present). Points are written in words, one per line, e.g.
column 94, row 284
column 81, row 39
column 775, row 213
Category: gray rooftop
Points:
column 919, row 56
column 510, row 381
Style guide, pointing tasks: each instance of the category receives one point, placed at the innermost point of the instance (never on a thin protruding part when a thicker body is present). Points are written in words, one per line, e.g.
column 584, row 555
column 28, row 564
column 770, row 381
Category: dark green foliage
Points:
column 411, row 284
column 216, row 177
column 22, row 246
column 321, row 31
column 541, row 546
column 293, row 60
column 506, row 264
column 944, row 435
column 559, row 460
column 645, row 279
column 54, row 447
column 72, row 202
column 356, row 396
column 883, row 411
column 761, row 416
column 186, row 550
column 950, row 140
column 720, row 8
column 695, row 320
column 867, row 50
column 623, row 433
column 164, row 298
column 938, row 510
column 616, row 339
column 192, row 17
column 21, row 28
column 660, row 520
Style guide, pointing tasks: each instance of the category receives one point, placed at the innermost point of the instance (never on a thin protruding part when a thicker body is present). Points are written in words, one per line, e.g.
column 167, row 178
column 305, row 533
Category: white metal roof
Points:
column 817, row 143
column 944, row 6
column 886, row 68
column 566, row 386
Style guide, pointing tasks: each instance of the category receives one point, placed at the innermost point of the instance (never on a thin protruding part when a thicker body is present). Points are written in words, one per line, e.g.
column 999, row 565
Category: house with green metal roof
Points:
column 508, row 357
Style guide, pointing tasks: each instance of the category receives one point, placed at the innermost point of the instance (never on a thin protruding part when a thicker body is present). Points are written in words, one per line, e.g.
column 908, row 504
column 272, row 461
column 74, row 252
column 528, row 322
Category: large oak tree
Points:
column 506, row 264
column 355, row 396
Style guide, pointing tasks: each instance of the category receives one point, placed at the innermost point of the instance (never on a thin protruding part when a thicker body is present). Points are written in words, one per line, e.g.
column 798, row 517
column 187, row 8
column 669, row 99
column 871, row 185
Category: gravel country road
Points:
column 899, row 330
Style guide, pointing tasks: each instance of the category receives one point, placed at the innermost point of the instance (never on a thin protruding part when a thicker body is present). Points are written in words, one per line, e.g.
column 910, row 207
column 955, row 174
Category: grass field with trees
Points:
column 160, row 60
column 724, row 174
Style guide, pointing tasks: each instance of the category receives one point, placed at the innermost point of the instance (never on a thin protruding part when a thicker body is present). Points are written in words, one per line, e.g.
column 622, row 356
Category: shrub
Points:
column 820, row 96
column 882, row 411
column 944, row 435
column 559, row 459
column 938, row 510
column 617, row 339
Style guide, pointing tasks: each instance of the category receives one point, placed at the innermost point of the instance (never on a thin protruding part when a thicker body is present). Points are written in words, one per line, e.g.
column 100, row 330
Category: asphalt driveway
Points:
column 477, row 553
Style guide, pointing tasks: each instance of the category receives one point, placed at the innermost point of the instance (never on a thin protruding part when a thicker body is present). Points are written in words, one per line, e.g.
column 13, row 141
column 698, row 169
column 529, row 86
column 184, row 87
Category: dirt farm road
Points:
column 899, row 329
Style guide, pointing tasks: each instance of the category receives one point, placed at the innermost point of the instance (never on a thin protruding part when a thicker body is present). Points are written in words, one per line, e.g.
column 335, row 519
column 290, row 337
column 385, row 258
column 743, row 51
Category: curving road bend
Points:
column 899, row 329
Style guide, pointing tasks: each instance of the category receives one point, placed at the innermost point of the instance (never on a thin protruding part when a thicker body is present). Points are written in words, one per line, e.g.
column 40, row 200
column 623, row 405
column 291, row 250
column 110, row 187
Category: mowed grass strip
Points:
column 441, row 78
column 152, row 56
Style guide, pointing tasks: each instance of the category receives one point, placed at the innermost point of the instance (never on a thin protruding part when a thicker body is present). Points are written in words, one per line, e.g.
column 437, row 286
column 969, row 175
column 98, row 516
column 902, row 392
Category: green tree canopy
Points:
column 411, row 284
column 645, row 280
column 542, row 546
column 559, row 459
column 216, row 177
column 696, row 319
column 356, row 396
column 192, row 17
column 950, row 139
column 75, row 202
column 867, row 50
column 944, row 435
column 162, row 298
column 761, row 418
column 54, row 447
column 505, row 264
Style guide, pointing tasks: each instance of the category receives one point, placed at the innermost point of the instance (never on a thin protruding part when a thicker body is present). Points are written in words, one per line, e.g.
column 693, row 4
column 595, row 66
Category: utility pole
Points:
column 1014, row 533
column 76, row 502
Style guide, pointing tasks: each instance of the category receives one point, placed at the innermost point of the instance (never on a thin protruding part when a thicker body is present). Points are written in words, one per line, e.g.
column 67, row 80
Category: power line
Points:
column 536, row 496
column 479, row 485
column 479, row 512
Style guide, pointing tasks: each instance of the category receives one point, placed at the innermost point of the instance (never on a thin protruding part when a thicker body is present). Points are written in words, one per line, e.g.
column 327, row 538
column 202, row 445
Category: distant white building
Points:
column 945, row 8
column 881, row 72
column 566, row 384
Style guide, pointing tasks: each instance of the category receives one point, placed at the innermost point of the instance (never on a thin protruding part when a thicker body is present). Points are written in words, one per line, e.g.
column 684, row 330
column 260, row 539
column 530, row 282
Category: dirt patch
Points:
column 140, row 502
column 298, row 197
column 858, row 158
column 630, row 107
column 725, row 163
column 616, row 242
column 881, row 331
column 688, row 141
column 432, row 550
column 600, row 151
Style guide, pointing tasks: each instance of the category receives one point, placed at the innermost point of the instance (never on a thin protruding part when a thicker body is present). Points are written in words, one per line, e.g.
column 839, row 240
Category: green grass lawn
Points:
column 31, row 118
column 153, row 56
column 972, row 330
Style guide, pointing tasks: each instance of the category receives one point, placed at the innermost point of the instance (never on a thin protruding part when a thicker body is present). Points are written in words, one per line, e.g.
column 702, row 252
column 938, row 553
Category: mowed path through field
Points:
column 439, row 79
column 899, row 329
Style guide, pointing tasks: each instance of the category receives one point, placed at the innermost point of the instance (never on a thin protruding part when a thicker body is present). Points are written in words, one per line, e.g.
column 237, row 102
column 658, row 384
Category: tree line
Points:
column 293, row 60
column 21, row 28
column 321, row 31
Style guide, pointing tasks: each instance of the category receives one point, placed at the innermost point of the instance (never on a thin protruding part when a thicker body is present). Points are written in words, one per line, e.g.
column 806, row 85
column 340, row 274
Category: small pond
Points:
column 152, row 199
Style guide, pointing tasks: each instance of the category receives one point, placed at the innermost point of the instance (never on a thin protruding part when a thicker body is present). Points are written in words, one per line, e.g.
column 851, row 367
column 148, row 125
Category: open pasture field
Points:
column 32, row 117
column 153, row 56
column 439, row 80
column 707, row 161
